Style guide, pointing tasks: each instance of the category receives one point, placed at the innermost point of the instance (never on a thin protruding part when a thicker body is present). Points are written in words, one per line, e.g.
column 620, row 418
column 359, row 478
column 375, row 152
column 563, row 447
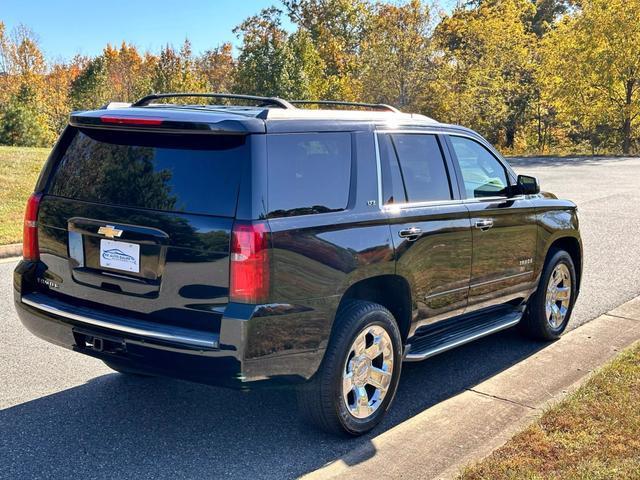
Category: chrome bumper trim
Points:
column 139, row 328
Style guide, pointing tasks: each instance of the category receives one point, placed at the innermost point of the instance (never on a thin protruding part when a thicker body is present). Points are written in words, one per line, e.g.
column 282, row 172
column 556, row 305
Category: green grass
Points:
column 19, row 169
column 593, row 434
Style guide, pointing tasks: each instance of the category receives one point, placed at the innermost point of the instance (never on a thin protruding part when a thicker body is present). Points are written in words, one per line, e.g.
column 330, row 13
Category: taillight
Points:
column 30, row 251
column 249, row 265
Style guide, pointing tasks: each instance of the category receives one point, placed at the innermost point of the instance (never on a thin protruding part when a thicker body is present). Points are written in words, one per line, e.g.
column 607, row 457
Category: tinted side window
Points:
column 482, row 173
column 392, row 185
column 422, row 167
column 308, row 173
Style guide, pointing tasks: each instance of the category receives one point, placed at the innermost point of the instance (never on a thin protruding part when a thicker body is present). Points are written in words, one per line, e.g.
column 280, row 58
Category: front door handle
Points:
column 411, row 233
column 484, row 224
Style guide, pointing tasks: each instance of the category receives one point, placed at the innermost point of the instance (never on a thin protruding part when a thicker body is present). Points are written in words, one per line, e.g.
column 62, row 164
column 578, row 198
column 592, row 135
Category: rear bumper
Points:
column 227, row 358
column 180, row 357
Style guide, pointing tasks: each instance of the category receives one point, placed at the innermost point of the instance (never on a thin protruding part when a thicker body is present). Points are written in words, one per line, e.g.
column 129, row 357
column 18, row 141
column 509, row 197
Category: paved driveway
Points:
column 64, row 414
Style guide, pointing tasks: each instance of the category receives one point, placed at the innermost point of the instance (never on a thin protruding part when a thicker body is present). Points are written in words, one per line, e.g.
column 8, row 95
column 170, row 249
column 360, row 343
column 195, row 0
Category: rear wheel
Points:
column 359, row 375
column 550, row 308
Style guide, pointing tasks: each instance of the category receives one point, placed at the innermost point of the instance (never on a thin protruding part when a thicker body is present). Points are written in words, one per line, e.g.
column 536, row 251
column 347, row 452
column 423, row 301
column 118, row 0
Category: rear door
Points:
column 504, row 228
column 429, row 223
column 140, row 223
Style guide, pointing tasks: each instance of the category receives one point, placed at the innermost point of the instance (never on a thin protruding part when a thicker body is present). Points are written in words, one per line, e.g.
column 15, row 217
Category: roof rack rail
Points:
column 377, row 106
column 265, row 101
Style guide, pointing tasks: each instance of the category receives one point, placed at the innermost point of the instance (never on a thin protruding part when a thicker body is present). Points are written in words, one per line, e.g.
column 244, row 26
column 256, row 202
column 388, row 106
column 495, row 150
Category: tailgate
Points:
column 183, row 274
column 140, row 224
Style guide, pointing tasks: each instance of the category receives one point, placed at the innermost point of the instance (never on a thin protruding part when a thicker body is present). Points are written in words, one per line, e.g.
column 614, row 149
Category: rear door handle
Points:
column 484, row 224
column 411, row 233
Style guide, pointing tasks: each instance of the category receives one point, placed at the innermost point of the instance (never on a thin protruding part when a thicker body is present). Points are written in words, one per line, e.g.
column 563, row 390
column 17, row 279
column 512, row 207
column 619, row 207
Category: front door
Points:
column 429, row 223
column 504, row 229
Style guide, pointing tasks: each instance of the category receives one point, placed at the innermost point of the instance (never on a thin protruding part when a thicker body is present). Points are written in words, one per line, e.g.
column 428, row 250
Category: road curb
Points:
column 12, row 250
column 440, row 441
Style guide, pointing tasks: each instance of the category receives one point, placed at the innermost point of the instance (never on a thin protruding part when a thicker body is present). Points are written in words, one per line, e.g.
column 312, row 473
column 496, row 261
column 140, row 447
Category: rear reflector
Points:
column 30, row 250
column 249, row 272
column 131, row 120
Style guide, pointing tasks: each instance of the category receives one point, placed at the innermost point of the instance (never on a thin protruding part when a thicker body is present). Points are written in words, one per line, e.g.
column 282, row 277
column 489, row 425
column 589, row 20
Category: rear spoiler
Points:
column 133, row 119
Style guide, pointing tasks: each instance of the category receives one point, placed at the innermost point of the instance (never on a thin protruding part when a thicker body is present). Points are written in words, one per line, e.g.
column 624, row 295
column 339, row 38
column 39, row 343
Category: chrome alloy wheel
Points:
column 367, row 371
column 558, row 296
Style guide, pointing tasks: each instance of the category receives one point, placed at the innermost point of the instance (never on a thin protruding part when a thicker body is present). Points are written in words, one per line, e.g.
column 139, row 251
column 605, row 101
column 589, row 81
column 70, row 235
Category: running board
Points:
column 458, row 332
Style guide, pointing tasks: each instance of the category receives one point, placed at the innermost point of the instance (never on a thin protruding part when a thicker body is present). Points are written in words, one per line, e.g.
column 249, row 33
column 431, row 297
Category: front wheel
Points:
column 550, row 307
column 359, row 375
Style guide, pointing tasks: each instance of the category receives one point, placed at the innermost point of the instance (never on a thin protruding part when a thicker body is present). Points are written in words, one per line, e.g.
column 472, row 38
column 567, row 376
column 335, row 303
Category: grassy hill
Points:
column 19, row 169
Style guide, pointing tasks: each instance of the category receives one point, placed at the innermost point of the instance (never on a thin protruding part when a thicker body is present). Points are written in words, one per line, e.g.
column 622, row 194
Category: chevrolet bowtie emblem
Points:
column 109, row 231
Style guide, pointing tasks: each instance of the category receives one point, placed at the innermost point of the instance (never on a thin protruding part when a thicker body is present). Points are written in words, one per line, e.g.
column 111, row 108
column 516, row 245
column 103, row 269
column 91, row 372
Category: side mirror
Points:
column 528, row 185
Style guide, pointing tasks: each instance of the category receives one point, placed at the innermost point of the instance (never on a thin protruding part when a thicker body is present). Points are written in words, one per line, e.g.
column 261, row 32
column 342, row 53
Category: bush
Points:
column 21, row 125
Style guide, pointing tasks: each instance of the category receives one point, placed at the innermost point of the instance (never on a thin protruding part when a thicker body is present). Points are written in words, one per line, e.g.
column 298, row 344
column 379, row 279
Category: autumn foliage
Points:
column 533, row 76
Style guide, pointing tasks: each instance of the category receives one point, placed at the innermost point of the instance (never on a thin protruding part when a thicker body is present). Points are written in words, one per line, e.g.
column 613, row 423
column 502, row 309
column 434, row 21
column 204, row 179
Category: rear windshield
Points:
column 181, row 173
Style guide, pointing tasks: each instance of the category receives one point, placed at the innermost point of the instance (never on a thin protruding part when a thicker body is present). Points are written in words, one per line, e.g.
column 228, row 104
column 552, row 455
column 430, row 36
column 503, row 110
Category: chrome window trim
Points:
column 407, row 205
column 378, row 169
column 411, row 205
column 487, row 199
column 434, row 203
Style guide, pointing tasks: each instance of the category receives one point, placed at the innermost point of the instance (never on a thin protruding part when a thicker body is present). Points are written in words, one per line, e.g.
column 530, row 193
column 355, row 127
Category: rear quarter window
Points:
column 308, row 173
column 182, row 173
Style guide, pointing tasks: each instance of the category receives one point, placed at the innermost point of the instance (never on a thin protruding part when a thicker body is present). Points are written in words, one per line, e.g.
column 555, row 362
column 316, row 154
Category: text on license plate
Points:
column 120, row 255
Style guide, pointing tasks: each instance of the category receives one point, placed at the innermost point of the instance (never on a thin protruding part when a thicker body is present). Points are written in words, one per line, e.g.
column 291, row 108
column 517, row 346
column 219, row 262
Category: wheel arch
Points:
column 573, row 247
column 391, row 291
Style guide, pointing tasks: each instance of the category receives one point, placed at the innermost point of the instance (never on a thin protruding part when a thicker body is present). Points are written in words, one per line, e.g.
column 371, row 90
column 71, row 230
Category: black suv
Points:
column 245, row 245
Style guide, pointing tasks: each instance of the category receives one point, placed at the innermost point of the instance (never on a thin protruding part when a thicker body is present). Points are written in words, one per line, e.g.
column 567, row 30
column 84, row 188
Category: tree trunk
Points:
column 626, row 135
column 626, row 122
column 510, row 135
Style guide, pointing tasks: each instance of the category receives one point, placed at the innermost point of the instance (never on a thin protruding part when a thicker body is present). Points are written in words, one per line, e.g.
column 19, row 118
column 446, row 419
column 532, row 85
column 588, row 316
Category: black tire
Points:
column 125, row 370
column 535, row 323
column 320, row 399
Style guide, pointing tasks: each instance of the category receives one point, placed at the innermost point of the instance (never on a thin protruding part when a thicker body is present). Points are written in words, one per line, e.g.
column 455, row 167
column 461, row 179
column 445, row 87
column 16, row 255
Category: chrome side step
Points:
column 458, row 332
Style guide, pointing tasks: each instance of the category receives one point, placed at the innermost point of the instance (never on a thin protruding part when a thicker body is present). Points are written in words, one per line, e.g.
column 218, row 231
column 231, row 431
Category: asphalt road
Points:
column 63, row 414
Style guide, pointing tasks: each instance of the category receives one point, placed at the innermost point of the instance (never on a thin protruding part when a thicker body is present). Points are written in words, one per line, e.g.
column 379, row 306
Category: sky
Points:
column 67, row 27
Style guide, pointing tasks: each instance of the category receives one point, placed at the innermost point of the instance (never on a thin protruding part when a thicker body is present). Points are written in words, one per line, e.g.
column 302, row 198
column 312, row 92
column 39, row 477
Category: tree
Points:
column 398, row 55
column 338, row 29
column 263, row 54
column 21, row 63
column 24, row 57
column 22, row 124
column 488, row 68
column 4, row 50
column 216, row 66
column 128, row 75
column 90, row 89
column 23, row 121
column 305, row 68
column 275, row 64
column 593, row 66
column 174, row 71
column 57, row 89
column 547, row 13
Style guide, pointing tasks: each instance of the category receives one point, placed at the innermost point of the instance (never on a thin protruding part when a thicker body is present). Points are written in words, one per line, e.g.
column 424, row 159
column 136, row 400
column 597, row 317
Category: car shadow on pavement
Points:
column 118, row 426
